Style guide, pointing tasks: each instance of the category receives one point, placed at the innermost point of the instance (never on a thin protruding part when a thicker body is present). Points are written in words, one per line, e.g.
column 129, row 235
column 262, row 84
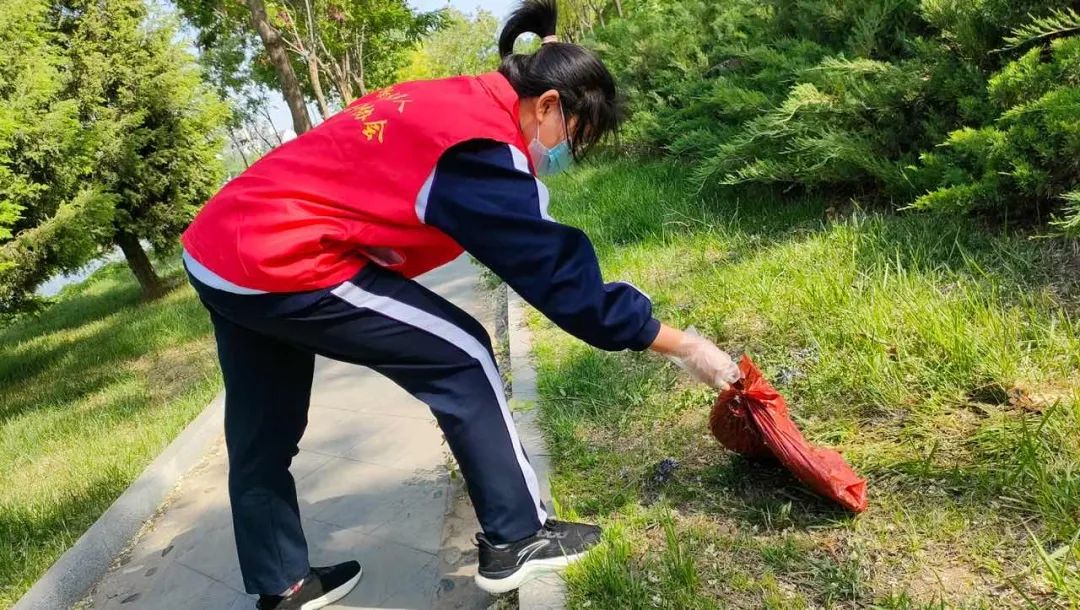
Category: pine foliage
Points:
column 1059, row 22
column 934, row 102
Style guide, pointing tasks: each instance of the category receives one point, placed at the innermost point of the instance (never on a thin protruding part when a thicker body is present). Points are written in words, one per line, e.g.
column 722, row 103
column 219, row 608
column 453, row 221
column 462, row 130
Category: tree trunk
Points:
column 344, row 90
column 238, row 146
column 360, row 78
column 313, row 61
column 346, row 70
column 273, row 128
column 290, row 87
column 599, row 11
column 316, row 84
column 139, row 263
column 618, row 8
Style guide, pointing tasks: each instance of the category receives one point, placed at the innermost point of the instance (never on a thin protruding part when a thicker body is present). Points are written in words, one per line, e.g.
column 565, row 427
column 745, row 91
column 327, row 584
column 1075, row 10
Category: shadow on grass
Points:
column 54, row 366
column 1012, row 266
column 761, row 494
column 33, row 536
column 72, row 312
column 609, row 427
column 110, row 289
column 624, row 204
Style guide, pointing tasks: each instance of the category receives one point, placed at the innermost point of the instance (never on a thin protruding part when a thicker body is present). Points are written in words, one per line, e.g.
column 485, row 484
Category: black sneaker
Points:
column 321, row 587
column 555, row 546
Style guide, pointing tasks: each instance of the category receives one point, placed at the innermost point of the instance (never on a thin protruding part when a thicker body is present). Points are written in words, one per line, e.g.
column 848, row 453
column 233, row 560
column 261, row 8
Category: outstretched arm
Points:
column 483, row 196
column 699, row 356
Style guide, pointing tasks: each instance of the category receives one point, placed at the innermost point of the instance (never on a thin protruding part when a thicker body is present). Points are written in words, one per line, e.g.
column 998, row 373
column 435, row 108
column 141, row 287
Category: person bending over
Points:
column 312, row 250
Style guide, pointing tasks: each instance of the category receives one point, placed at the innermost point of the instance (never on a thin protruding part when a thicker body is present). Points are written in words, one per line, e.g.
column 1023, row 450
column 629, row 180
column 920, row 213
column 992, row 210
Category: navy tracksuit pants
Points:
column 431, row 348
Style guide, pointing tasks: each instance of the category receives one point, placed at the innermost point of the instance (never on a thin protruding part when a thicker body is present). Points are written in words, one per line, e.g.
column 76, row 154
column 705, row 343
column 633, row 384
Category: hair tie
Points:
column 551, row 38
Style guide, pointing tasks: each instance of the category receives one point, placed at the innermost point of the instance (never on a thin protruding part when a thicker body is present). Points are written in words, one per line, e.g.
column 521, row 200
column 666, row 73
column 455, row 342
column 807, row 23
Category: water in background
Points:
column 57, row 283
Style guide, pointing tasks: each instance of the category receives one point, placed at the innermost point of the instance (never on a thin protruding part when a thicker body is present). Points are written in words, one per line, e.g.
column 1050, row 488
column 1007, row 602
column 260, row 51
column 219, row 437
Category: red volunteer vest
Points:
column 313, row 211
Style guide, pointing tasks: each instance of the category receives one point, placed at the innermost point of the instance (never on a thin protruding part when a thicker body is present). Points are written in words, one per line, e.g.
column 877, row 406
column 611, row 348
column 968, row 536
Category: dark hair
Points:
column 585, row 86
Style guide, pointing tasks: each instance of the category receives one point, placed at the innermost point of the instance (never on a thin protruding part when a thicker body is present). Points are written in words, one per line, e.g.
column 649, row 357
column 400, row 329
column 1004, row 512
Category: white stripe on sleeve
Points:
column 521, row 163
column 422, row 197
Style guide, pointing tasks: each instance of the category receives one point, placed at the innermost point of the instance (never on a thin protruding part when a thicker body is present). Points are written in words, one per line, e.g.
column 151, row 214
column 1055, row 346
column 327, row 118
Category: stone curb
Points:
column 87, row 561
column 543, row 593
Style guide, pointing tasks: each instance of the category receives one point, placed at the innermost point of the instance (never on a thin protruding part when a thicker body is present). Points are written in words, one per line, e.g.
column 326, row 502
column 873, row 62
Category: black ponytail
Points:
column 536, row 16
column 585, row 86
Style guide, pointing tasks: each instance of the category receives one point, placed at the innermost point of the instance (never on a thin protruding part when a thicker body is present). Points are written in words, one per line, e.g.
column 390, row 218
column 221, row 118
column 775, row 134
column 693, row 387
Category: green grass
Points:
column 91, row 390
column 942, row 358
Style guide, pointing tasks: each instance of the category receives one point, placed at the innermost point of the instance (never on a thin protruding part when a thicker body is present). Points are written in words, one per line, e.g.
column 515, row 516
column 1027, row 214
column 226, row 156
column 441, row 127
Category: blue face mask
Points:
column 550, row 161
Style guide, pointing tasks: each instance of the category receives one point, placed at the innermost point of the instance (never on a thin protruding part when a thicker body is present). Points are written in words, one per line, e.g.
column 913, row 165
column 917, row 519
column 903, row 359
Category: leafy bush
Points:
column 1028, row 157
column 908, row 99
column 464, row 45
column 1071, row 223
column 831, row 129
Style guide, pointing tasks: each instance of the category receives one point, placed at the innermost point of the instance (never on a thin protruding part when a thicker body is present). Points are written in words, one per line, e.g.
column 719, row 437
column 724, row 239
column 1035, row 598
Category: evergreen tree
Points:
column 108, row 137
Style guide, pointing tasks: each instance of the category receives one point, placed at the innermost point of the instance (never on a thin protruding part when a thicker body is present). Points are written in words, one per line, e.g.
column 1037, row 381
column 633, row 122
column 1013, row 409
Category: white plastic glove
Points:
column 706, row 362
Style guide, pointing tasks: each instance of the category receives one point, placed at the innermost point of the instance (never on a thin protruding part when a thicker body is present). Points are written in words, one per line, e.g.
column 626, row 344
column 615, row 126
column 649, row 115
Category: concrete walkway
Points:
column 373, row 484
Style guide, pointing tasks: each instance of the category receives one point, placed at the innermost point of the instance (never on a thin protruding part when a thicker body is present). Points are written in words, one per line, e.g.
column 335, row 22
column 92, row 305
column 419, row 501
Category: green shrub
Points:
column 830, row 129
column 1027, row 159
column 907, row 99
column 1070, row 224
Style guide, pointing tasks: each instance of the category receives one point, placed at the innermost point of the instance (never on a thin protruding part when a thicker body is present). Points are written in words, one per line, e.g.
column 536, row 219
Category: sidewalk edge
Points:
column 80, row 567
column 547, row 593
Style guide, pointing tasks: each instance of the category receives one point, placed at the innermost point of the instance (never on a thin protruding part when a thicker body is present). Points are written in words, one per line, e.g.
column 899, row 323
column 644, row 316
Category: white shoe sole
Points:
column 527, row 572
column 334, row 595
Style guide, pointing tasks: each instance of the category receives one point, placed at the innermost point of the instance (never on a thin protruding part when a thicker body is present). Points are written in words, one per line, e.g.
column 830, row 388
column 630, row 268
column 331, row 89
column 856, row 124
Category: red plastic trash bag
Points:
column 752, row 418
